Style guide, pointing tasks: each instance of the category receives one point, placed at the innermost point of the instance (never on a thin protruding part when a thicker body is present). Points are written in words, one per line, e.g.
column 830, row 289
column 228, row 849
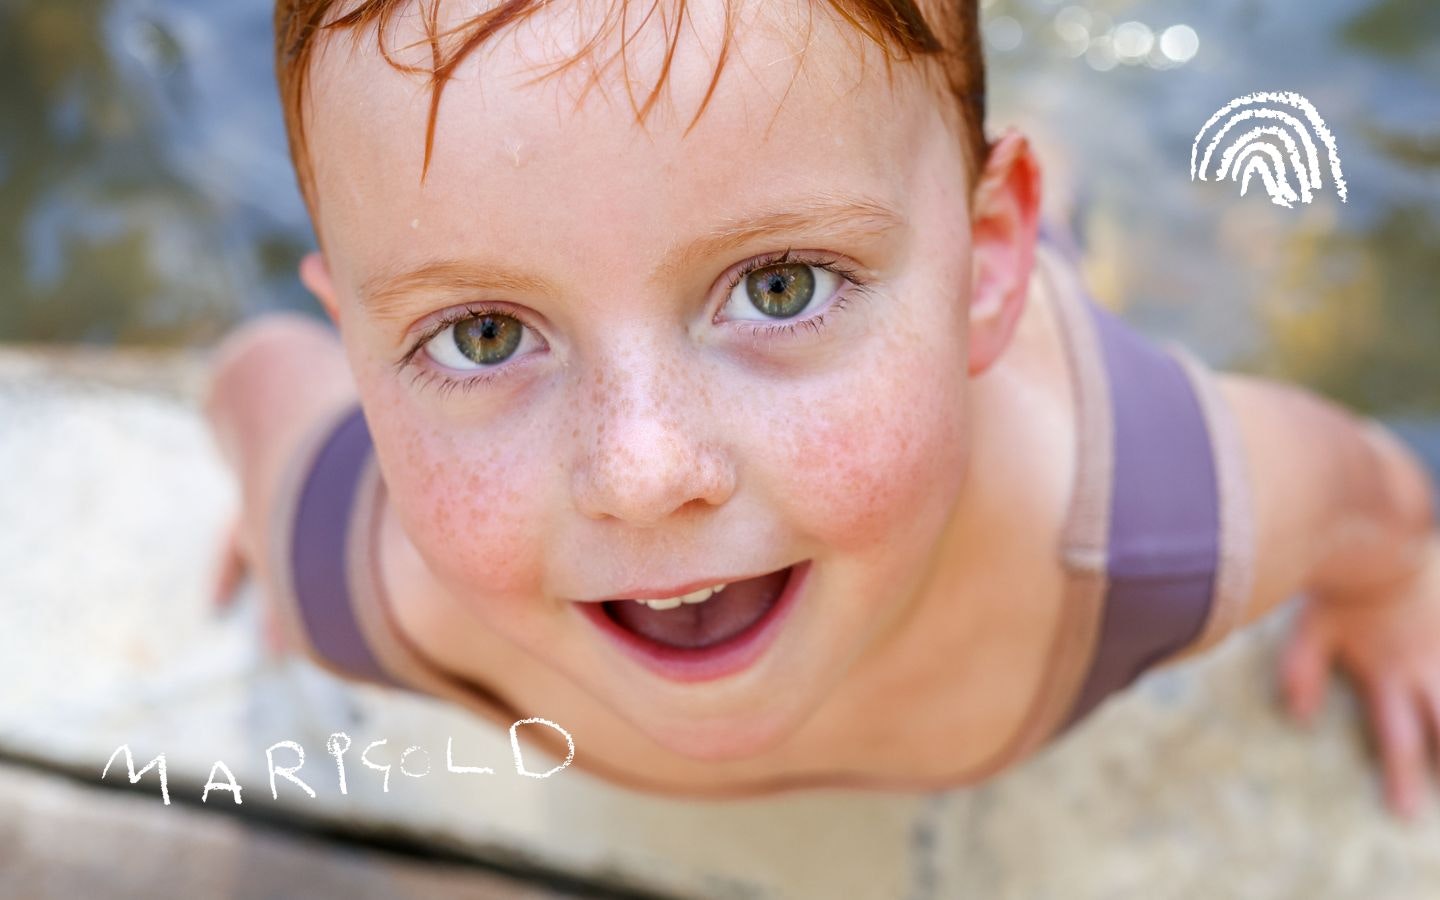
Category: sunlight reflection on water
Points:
column 146, row 194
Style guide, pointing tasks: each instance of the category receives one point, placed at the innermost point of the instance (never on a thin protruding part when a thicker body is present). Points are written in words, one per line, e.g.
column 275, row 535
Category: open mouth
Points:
column 709, row 638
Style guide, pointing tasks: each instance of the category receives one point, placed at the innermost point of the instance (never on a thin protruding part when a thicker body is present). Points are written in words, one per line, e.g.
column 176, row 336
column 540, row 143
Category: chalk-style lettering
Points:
column 286, row 773
column 228, row 785
column 157, row 762
column 515, row 747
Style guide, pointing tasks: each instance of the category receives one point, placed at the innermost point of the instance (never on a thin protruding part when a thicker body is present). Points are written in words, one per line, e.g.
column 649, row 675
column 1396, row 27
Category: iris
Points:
column 488, row 339
column 781, row 291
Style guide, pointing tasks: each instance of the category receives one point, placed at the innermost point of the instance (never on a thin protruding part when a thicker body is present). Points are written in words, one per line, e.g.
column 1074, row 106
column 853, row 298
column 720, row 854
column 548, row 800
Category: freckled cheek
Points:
column 473, row 512
column 878, row 457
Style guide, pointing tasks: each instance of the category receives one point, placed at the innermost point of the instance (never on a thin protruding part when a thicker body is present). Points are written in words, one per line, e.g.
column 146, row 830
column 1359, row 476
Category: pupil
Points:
column 488, row 339
column 782, row 291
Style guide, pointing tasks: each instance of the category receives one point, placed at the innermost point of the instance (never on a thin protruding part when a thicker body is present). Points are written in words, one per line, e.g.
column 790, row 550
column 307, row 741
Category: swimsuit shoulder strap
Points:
column 1179, row 530
column 406, row 663
column 329, row 581
column 314, row 534
column 1157, row 542
column 1235, row 564
column 1084, row 536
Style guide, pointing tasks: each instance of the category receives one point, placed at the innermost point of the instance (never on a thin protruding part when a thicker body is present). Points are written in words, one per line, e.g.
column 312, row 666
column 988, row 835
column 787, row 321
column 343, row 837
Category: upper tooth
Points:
column 699, row 596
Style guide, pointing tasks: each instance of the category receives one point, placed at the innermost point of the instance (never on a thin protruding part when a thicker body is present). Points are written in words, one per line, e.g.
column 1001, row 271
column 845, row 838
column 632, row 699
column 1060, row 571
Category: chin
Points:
column 723, row 739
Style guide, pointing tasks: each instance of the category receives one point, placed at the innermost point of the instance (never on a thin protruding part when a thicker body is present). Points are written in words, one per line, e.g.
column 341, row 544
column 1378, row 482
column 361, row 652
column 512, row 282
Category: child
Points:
column 597, row 356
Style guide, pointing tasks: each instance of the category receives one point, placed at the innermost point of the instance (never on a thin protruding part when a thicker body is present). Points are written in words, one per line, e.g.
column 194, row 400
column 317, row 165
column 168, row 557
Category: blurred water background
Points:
column 146, row 196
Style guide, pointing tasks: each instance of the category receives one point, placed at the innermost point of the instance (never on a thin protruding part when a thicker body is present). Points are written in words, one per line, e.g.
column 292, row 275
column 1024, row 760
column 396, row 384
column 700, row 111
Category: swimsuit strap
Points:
column 330, row 587
column 1162, row 550
column 316, row 532
column 1235, row 569
column 1178, row 537
column 1157, row 543
column 1085, row 532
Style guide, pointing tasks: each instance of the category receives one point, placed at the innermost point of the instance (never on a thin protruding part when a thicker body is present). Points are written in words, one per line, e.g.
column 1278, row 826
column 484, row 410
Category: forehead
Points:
column 803, row 105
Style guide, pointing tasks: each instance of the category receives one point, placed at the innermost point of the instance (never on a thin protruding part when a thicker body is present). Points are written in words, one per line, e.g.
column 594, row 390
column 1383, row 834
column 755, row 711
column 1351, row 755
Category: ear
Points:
column 1005, row 215
column 315, row 275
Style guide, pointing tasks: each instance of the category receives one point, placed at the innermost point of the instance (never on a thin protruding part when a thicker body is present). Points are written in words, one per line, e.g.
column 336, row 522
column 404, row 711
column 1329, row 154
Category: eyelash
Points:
column 815, row 322
column 445, row 385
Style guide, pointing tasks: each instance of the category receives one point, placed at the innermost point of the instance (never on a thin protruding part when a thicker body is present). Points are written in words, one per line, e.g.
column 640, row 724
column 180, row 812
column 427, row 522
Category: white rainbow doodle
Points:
column 1263, row 150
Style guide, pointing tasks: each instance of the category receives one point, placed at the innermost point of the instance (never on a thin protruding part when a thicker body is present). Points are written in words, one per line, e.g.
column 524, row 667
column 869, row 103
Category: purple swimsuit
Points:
column 1157, row 547
column 328, row 584
column 318, row 562
column 1158, row 543
column 1179, row 515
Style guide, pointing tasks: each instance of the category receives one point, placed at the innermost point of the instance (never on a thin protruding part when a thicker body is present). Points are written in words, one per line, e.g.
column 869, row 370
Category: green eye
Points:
column 488, row 339
column 781, row 291
column 485, row 339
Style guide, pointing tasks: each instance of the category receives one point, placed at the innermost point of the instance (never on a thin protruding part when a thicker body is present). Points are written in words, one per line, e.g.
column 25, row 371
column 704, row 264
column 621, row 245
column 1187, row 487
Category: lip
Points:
column 728, row 657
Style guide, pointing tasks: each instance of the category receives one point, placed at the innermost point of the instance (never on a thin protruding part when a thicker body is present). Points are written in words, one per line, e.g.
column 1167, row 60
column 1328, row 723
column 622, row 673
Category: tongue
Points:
column 693, row 625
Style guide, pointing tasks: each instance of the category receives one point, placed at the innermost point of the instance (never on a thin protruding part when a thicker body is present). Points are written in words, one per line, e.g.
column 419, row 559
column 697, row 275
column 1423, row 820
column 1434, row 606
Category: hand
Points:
column 229, row 572
column 234, row 402
column 1388, row 641
column 230, row 567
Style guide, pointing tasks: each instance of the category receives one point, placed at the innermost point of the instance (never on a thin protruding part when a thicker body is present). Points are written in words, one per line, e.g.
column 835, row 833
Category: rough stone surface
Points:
column 1192, row 784
column 60, row 840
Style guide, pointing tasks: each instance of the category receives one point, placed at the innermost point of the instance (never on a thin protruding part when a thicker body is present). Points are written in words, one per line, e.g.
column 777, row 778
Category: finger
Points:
column 1305, row 672
column 274, row 634
column 1395, row 720
column 272, row 630
column 231, row 567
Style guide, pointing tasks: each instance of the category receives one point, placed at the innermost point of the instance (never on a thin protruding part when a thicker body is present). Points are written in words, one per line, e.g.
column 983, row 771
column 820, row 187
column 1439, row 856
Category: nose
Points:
column 646, row 457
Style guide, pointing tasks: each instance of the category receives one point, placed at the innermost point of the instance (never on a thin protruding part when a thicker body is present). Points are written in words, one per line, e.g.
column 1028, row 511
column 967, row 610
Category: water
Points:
column 145, row 191
column 1339, row 296
column 146, row 195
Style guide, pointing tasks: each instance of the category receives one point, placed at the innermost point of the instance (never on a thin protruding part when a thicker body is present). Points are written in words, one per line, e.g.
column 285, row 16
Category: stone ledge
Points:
column 160, row 371
column 63, row 840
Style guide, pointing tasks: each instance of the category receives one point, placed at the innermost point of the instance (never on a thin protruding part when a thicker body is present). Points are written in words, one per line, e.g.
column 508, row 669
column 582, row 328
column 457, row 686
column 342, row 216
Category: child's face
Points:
column 641, row 433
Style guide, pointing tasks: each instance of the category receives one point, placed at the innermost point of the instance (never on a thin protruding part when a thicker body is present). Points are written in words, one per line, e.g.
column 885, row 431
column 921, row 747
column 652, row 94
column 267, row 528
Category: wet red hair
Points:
column 950, row 36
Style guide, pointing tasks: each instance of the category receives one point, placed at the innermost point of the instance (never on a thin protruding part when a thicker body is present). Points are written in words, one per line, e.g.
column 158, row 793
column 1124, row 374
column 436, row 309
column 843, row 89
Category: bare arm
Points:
column 271, row 380
column 1341, row 506
column 1345, row 513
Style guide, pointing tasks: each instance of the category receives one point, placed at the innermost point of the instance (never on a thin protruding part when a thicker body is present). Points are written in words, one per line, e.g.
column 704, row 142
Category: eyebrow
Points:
column 833, row 214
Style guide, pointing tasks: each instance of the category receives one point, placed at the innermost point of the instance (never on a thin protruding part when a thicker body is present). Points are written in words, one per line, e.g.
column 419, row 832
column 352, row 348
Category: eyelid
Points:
column 438, row 322
column 817, row 259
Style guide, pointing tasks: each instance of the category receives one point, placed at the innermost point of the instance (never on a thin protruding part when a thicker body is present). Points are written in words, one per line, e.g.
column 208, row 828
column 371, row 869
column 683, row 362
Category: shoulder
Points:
column 275, row 385
column 270, row 381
